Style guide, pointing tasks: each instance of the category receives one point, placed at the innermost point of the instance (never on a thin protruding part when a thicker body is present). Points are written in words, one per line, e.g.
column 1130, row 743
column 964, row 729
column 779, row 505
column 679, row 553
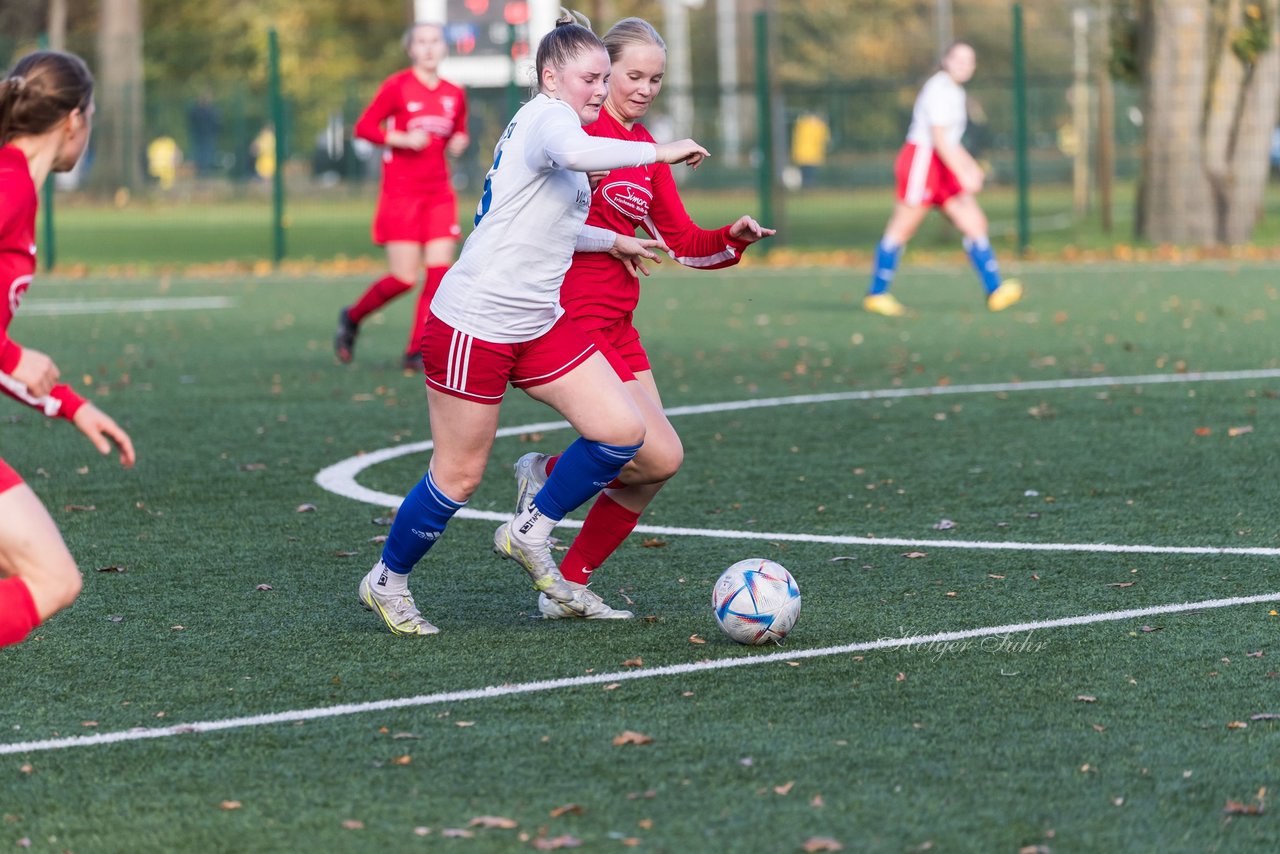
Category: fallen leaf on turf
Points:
column 1099, row 728
column 696, row 639
column 817, row 802
column 422, row 831
column 821, row 843
column 1203, row 431
column 401, row 735
column 402, row 760
column 997, row 577
column 914, row 555
column 306, row 508
column 1257, row 654
column 1123, row 584
column 353, row 824
column 456, row 833
column 24, row 842
column 543, row 843
column 1239, row 431
column 1034, row 849
column 263, row 587
column 612, row 686
column 785, row 788
column 89, row 723
column 230, row 805
column 1237, row 725
column 841, row 557
column 1086, row 698
column 252, row 467
column 646, row 823
column 630, row 737
column 500, row 822
column 1255, row 808
column 379, row 538
column 111, row 569
column 1152, row 628
column 901, row 677
column 567, row 809
column 465, row 723
column 345, row 554
column 943, row 525
column 27, row 768
column 633, row 662
column 653, row 543
column 115, row 618
column 79, row 508
column 1265, row 716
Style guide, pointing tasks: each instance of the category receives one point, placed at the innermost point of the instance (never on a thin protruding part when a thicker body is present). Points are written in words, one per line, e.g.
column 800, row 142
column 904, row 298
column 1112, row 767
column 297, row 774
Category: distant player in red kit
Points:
column 46, row 114
column 600, row 294
column 935, row 171
column 419, row 118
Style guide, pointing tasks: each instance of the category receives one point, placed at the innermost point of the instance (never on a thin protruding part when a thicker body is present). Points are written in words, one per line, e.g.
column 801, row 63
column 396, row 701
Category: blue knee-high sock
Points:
column 419, row 523
column 887, row 255
column 585, row 468
column 984, row 261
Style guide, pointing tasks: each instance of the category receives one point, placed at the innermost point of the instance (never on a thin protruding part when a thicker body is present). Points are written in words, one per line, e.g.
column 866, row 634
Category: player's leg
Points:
column 617, row 510
column 592, row 398
column 438, row 254
column 967, row 215
column 902, row 226
column 462, row 432
column 404, row 258
column 915, row 171
column 38, row 576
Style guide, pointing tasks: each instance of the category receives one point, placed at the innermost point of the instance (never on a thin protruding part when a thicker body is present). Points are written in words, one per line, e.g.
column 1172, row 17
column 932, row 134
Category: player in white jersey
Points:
column 496, row 319
column 934, row 170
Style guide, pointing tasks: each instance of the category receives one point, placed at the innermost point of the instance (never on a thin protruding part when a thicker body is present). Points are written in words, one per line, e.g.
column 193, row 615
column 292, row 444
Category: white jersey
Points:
column 505, row 285
column 939, row 104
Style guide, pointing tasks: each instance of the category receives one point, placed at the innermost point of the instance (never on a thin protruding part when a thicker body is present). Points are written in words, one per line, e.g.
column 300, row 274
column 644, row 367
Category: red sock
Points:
column 608, row 524
column 379, row 294
column 18, row 615
column 616, row 483
column 434, row 275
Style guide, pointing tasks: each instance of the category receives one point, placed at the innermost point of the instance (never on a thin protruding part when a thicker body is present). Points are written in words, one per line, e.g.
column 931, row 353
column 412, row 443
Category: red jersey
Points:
column 598, row 291
column 405, row 103
column 17, row 267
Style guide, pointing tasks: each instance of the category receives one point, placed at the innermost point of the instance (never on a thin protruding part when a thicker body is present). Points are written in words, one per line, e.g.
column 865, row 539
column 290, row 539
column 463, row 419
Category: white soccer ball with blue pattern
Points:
column 756, row 601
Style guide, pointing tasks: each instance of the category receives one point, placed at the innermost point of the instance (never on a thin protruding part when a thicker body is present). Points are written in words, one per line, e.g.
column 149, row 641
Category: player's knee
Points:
column 660, row 460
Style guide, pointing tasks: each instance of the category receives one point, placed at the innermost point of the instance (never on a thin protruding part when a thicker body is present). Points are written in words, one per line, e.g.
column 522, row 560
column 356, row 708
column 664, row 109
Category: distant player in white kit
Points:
column 934, row 170
column 497, row 319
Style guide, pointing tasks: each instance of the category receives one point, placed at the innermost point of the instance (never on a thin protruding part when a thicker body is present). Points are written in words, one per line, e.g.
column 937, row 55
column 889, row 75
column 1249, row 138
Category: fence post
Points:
column 1020, row 130
column 764, row 119
column 277, row 121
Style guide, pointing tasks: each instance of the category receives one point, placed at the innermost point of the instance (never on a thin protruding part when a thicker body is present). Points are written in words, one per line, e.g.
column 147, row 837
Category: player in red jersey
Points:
column 600, row 294
column 419, row 118
column 46, row 114
column 934, row 170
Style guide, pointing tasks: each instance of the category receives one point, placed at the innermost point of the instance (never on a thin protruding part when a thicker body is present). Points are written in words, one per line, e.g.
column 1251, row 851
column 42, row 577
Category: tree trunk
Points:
column 118, row 135
column 1240, row 115
column 1174, row 197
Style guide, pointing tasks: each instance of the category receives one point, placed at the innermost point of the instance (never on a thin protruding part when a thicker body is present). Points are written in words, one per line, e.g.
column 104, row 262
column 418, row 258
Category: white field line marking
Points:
column 630, row 675
column 58, row 308
column 340, row 478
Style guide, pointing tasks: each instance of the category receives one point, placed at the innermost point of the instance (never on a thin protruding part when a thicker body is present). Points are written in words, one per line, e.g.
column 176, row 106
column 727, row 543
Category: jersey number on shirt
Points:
column 486, row 198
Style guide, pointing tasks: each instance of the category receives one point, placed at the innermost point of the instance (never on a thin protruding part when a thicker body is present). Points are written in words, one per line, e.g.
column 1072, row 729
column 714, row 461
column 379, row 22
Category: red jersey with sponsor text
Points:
column 405, row 103
column 598, row 291
column 18, row 203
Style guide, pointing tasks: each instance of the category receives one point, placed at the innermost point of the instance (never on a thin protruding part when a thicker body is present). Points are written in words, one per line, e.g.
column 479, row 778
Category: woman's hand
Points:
column 682, row 151
column 37, row 372
column 633, row 251
column 103, row 432
column 748, row 231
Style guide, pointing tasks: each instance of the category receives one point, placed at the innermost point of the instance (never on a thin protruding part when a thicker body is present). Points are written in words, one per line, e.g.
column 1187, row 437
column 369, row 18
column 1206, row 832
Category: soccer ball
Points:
column 756, row 601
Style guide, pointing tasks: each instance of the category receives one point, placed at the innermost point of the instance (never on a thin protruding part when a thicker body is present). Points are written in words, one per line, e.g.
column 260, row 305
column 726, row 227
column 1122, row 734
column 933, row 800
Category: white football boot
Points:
column 399, row 612
column 531, row 474
column 536, row 559
column 593, row 607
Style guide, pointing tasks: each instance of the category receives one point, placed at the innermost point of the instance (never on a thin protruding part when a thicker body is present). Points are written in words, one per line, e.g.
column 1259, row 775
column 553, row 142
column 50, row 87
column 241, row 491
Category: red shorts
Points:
column 8, row 477
column 418, row 218
column 923, row 179
column 467, row 367
column 620, row 344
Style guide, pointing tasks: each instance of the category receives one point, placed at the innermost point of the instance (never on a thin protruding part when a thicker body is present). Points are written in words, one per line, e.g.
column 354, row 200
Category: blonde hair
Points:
column 571, row 36
column 631, row 32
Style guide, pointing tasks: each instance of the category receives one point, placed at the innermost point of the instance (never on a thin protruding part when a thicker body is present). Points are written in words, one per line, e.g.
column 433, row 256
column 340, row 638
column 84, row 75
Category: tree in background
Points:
column 119, row 135
column 1210, row 76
